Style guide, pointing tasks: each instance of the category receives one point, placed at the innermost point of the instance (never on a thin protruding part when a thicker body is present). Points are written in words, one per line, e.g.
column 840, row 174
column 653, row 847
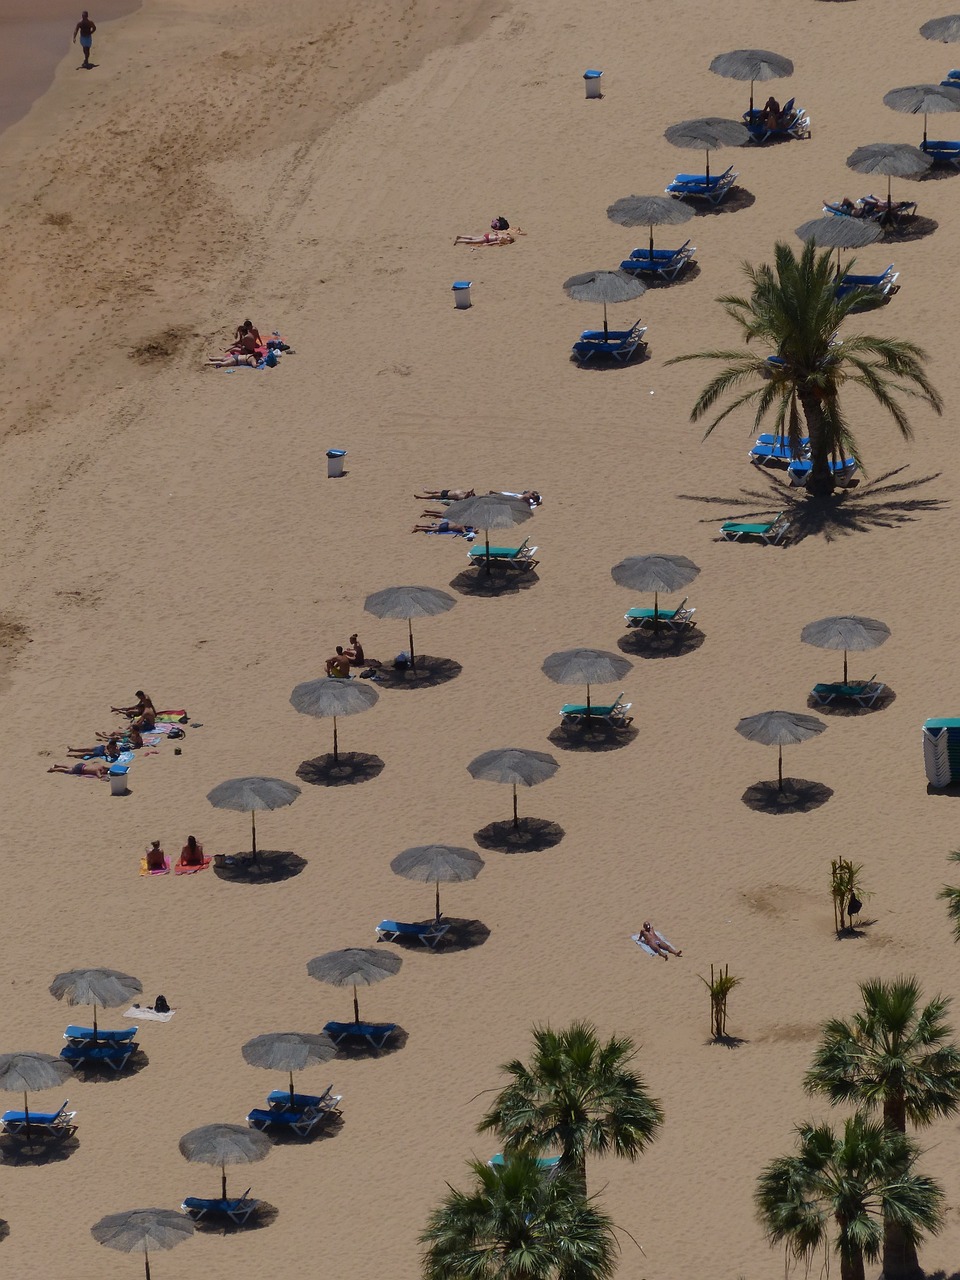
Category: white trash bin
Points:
column 335, row 459
column 461, row 294
column 118, row 780
column 591, row 80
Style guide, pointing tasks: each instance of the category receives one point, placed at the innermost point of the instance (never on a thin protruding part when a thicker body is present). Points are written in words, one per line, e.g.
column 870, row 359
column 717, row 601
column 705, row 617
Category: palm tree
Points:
column 518, row 1222
column 794, row 311
column 839, row 1189
column 578, row 1097
column 895, row 1054
column 951, row 894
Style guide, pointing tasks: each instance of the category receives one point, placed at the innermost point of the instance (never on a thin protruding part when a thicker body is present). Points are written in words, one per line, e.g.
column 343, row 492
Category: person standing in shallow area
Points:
column 85, row 29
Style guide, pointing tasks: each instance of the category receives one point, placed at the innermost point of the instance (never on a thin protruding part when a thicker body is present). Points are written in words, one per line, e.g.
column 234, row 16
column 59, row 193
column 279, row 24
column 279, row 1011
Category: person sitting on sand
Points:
column 656, row 944
column 444, row 526
column 355, row 652
column 191, row 855
column 143, row 701
column 156, row 858
column 109, row 750
column 247, row 338
column 82, row 769
column 445, row 495
column 146, row 720
column 338, row 667
column 491, row 237
column 128, row 737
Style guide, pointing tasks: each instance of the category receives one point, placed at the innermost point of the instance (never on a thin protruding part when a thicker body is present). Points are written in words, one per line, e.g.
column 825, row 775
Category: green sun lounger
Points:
column 770, row 532
column 521, row 556
column 577, row 715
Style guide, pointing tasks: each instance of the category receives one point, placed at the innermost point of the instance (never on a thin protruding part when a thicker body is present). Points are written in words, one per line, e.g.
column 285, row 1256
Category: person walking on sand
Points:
column 85, row 29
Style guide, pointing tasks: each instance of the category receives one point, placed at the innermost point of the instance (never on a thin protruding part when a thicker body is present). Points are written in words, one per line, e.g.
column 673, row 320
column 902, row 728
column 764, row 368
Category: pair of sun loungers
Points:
column 238, row 1210
column 713, row 188
column 869, row 290
column 376, row 1034
column 88, row 1048
column 887, row 213
column 662, row 264
column 521, row 557
column 576, row 715
column 793, row 122
column 865, row 693
column 619, row 345
column 299, row 1114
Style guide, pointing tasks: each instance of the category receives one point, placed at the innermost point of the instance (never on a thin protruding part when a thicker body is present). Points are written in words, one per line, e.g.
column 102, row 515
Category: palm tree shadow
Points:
column 876, row 504
column 857, row 930
column 727, row 1042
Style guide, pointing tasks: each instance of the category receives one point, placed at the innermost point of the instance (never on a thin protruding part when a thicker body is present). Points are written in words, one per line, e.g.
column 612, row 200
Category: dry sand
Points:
column 168, row 527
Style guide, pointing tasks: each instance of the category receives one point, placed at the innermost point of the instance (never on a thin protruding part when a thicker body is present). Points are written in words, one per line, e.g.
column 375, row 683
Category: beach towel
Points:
column 170, row 717
column 164, row 872
column 635, row 937
column 141, row 1014
column 188, row 871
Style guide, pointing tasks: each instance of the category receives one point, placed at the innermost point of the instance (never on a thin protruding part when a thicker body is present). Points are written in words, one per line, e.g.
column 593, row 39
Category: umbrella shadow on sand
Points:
column 608, row 363
column 798, row 796
column 41, row 1149
column 502, row 580
column 737, row 198
column 883, row 503
column 102, row 1072
column 429, row 673
column 349, row 768
column 600, row 736
column 643, row 642
column 265, row 1215
column 330, row 1127
column 845, row 707
column 529, row 835
column 689, row 273
column 267, row 866
column 915, row 228
column 356, row 1049
column 461, row 935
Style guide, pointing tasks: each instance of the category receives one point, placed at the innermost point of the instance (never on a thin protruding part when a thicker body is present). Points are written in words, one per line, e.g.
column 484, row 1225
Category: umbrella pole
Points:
column 516, row 818
column 605, row 328
column 223, row 1182
column 146, row 1263
column 924, row 128
column 651, row 242
column 291, row 1088
column 780, row 768
column 708, row 167
column 844, row 666
column 486, row 532
column 751, row 98
column 588, row 701
column 336, row 755
column 888, row 193
column 356, row 1005
column 253, row 830
column 94, row 1024
column 413, row 656
column 656, row 613
column 437, row 904
column 26, row 1115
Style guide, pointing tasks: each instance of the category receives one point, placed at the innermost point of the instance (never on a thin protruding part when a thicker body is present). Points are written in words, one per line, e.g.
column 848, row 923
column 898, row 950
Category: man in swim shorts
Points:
column 85, row 29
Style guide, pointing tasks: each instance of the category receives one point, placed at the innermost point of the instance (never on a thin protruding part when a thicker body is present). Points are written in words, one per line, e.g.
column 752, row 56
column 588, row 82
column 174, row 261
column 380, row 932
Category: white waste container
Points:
column 335, row 459
column 118, row 780
column 591, row 80
column 461, row 294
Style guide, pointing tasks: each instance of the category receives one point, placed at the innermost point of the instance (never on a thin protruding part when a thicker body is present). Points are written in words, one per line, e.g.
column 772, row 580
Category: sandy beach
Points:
column 172, row 528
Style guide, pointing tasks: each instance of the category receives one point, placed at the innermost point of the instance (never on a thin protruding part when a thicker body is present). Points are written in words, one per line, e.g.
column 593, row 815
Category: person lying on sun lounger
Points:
column 446, row 495
column 649, row 935
column 444, row 526
column 865, row 207
column 529, row 496
column 109, row 750
column 82, row 769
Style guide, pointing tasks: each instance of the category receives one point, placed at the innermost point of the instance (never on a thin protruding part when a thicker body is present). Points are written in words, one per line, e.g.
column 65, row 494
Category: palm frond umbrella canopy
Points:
column 946, row 29
column 354, row 967
column 248, row 795
column 409, row 603
column 708, row 133
column 928, row 99
column 32, row 1073
column 847, row 632
column 752, row 65
column 223, row 1144
column 831, row 232
column 585, row 666
column 516, row 767
column 655, row 573
column 780, row 729
column 490, row 512
column 649, row 211
column 891, row 159
column 140, row 1230
column 606, row 287
column 104, row 987
column 289, row 1051
column 329, row 698
column 433, row 863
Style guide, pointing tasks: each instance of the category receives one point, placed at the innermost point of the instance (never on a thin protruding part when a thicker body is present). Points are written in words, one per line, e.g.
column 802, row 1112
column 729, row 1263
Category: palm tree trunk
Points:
column 900, row 1260
column 851, row 1264
column 821, row 483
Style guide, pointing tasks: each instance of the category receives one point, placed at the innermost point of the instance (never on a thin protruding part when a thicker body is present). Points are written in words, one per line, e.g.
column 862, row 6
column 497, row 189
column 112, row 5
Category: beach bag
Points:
column 854, row 906
column 401, row 662
column 176, row 733
column 500, row 224
column 160, row 1005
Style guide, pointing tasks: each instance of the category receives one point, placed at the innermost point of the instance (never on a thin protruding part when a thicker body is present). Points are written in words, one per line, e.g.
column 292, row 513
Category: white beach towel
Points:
column 143, row 1014
column 637, row 938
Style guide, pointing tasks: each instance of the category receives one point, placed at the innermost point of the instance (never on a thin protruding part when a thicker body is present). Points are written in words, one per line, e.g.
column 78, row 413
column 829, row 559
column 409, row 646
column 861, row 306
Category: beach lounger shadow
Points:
column 379, row 1045
column 351, row 767
column 270, row 866
column 211, row 1222
column 737, row 199
column 641, row 642
column 853, row 699
column 16, row 1149
column 531, row 835
column 458, row 934
column 428, row 674
column 295, row 1129
column 799, row 795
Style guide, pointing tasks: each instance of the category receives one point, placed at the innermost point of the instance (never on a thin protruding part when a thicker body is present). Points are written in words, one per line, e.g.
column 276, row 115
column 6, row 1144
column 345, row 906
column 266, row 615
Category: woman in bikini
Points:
column 191, row 855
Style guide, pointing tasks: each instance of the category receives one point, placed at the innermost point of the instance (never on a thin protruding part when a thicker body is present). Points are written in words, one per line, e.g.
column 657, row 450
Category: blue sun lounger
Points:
column 843, row 470
column 521, row 556
column 871, row 288
column 301, row 1122
column 547, row 1163
column 943, row 152
column 698, row 186
column 47, row 1123
column 86, row 1036
column 238, row 1211
column 375, row 1033
column 429, row 934
column 793, row 123
column 619, row 345
column 326, row 1101
column 769, row 532
column 115, row 1056
column 665, row 264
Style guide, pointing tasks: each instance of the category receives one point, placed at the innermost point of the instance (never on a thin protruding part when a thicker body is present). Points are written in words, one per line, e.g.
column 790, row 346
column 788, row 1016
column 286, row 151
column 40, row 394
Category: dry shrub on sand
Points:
column 58, row 219
column 161, row 346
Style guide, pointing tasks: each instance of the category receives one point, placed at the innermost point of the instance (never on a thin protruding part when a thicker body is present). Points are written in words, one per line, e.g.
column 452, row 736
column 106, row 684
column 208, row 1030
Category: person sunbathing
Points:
column 232, row 360
column 444, row 526
column 338, row 667
column 355, row 652
column 529, row 496
column 143, row 701
column 146, row 720
column 156, row 859
column 656, row 944
column 491, row 237
column 82, row 769
column 446, row 495
column 109, row 750
column 127, row 736
column 191, row 855
column 865, row 207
